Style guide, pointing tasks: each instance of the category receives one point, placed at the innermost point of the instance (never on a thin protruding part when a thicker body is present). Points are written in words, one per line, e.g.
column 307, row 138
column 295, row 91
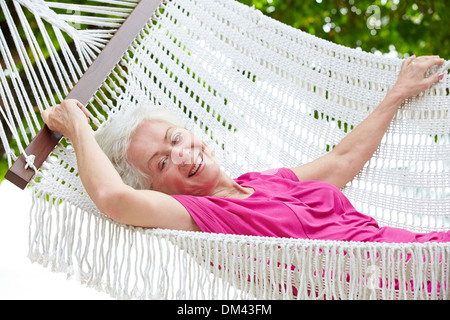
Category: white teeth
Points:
column 197, row 165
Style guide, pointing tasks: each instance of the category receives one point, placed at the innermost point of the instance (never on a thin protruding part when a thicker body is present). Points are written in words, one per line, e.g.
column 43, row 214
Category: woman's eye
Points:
column 176, row 138
column 163, row 164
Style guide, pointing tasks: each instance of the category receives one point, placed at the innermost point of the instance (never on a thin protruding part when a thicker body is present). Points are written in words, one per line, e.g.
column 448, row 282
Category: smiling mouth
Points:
column 197, row 165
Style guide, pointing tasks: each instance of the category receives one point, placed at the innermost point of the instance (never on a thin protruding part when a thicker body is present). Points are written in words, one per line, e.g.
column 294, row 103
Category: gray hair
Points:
column 114, row 138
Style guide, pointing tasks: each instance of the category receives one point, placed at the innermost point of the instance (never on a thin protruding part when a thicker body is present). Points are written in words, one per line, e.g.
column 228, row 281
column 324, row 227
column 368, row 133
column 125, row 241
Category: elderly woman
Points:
column 149, row 171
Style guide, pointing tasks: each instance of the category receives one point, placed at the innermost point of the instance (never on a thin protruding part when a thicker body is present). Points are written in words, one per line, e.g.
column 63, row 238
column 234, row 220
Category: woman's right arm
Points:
column 143, row 208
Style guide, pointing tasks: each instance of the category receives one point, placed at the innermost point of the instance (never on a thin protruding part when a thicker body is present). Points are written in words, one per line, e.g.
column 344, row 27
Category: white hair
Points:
column 114, row 138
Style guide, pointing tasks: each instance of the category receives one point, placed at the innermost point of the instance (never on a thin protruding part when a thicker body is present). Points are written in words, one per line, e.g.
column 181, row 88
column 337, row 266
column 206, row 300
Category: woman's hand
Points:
column 66, row 117
column 412, row 78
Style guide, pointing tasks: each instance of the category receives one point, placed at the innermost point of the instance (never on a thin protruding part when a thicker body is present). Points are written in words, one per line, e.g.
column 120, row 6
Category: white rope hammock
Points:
column 262, row 95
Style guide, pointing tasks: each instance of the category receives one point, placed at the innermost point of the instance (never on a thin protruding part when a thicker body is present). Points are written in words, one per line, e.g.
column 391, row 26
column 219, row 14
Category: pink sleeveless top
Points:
column 282, row 206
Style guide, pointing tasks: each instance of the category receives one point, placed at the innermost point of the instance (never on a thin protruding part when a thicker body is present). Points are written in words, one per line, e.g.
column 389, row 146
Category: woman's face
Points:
column 177, row 160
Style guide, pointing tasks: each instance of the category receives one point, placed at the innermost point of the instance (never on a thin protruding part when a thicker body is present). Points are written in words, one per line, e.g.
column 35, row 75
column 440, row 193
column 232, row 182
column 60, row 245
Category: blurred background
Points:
column 394, row 27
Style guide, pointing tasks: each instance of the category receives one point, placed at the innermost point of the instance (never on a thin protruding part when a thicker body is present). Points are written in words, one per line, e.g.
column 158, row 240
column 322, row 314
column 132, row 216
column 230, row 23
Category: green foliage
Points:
column 398, row 27
column 3, row 168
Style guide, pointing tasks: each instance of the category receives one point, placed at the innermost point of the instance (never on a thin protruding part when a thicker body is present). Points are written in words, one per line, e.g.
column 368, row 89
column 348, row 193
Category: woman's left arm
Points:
column 346, row 160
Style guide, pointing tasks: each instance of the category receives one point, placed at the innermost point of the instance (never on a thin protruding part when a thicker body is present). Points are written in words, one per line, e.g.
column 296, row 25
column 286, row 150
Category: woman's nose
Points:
column 181, row 154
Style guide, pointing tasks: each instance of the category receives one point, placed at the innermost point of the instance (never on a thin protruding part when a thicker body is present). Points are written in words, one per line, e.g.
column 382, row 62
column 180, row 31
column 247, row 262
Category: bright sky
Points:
column 19, row 278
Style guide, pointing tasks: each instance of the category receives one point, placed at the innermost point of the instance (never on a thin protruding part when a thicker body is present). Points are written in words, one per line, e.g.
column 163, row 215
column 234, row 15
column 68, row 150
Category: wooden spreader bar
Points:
column 46, row 140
